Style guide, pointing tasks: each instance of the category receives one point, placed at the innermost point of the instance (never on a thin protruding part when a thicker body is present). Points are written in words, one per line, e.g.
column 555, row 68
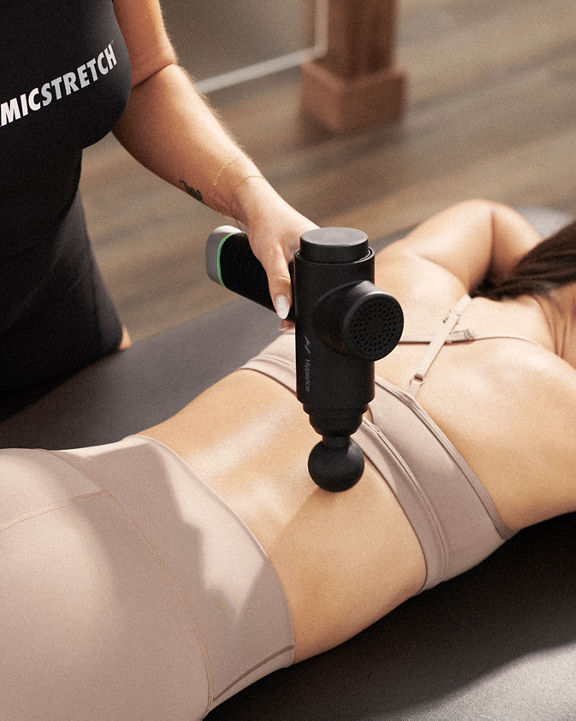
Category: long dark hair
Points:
column 550, row 264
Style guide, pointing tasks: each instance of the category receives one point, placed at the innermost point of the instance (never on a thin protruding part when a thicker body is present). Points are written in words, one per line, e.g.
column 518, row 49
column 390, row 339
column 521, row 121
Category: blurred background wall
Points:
column 218, row 36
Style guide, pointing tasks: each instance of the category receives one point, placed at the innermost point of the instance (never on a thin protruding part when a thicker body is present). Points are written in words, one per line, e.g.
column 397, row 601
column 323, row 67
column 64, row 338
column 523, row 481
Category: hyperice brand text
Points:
column 307, row 365
column 58, row 88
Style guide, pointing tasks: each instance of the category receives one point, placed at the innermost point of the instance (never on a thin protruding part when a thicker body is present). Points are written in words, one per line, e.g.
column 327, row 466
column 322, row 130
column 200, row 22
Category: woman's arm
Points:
column 171, row 130
column 469, row 241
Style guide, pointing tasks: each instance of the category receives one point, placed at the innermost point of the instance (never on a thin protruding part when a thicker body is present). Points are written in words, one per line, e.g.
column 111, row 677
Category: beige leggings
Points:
column 128, row 590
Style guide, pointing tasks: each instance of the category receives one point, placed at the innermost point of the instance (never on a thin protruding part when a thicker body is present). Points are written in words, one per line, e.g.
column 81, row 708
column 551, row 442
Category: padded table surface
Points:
column 498, row 642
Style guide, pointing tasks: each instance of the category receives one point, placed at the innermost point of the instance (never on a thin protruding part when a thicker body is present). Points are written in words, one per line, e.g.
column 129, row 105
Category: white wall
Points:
column 217, row 36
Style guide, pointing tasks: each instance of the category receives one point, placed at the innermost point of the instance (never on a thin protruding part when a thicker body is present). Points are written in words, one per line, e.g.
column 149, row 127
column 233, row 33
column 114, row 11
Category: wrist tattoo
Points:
column 191, row 191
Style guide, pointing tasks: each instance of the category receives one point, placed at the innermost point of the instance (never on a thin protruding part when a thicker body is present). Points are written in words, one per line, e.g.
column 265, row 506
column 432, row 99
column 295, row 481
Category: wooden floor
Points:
column 492, row 113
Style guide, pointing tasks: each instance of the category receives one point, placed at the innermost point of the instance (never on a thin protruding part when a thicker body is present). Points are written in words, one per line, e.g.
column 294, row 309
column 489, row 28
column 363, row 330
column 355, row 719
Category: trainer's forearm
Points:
column 171, row 130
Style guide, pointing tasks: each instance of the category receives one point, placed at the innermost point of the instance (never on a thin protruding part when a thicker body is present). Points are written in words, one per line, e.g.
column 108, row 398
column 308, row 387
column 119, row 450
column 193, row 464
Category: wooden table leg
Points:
column 356, row 84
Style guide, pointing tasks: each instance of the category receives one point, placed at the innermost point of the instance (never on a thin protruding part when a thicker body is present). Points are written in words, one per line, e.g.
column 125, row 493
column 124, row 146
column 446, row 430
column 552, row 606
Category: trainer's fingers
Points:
column 282, row 305
column 279, row 283
column 280, row 287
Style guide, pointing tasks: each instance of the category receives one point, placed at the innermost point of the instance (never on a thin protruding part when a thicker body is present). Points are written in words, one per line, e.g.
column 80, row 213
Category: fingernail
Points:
column 282, row 305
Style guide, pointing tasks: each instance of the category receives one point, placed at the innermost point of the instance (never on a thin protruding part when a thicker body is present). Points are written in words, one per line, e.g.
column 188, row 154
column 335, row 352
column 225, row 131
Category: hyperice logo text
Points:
column 307, row 364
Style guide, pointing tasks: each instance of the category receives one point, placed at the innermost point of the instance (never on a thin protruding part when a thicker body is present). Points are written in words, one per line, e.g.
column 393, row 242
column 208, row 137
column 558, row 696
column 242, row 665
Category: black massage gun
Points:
column 343, row 324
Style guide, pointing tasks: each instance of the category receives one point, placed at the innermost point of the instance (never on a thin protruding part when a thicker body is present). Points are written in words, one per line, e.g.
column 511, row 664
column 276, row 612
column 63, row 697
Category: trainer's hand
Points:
column 274, row 228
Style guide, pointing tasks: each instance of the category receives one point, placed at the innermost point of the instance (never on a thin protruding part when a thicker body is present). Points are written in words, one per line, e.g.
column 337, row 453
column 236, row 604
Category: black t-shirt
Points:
column 64, row 83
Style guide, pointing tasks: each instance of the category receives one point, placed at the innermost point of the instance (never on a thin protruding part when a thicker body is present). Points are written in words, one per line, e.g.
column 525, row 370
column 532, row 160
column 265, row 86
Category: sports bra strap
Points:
column 445, row 335
column 439, row 339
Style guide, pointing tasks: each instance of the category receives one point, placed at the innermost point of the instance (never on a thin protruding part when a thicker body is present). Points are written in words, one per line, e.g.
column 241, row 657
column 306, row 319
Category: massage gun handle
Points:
column 231, row 263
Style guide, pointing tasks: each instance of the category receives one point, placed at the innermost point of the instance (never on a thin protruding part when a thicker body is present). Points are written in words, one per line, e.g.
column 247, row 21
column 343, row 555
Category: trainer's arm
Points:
column 171, row 130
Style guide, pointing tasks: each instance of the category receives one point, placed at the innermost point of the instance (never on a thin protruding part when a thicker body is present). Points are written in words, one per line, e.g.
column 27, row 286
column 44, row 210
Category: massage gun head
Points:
column 336, row 464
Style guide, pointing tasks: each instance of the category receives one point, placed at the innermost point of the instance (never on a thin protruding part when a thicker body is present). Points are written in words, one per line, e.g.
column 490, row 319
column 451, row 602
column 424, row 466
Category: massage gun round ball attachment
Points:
column 336, row 464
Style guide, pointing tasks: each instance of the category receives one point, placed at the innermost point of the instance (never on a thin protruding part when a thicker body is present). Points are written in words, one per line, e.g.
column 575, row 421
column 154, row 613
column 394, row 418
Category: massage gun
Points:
column 343, row 324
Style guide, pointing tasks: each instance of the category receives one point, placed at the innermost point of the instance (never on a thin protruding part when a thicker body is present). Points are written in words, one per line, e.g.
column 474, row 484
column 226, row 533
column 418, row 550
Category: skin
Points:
column 347, row 559
column 172, row 131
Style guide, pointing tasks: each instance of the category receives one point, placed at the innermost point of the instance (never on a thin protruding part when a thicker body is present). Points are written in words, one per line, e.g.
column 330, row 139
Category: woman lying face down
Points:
column 155, row 577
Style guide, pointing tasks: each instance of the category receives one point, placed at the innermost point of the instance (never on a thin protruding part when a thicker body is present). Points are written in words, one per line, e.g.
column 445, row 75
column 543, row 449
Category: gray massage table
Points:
column 498, row 642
